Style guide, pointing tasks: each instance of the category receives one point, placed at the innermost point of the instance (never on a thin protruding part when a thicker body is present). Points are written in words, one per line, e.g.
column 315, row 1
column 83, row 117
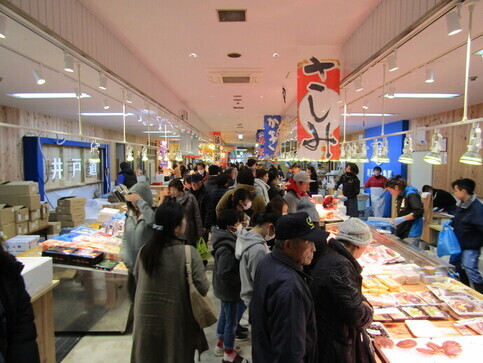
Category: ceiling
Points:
column 171, row 30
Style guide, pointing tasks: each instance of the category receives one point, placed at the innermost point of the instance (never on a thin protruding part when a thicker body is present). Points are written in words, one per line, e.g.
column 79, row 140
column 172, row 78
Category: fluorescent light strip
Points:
column 46, row 95
column 424, row 95
column 159, row 132
column 369, row 114
column 105, row 114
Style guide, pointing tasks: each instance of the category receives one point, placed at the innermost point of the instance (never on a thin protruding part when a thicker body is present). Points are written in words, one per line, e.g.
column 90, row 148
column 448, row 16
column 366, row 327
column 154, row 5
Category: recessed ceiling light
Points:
column 261, row 96
column 105, row 114
column 46, row 95
column 425, row 95
column 233, row 55
column 369, row 114
column 275, row 55
column 240, row 136
column 193, row 55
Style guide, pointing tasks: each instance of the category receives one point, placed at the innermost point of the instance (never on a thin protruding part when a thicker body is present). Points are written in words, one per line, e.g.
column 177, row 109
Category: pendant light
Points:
column 407, row 156
column 383, row 157
column 129, row 153
column 434, row 156
column 375, row 151
column 362, row 158
column 343, row 154
column 144, row 154
column 472, row 156
column 94, row 153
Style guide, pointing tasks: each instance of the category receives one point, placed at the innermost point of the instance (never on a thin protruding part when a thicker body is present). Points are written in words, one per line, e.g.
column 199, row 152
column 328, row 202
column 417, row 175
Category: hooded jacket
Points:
column 203, row 197
column 137, row 230
column 210, row 183
column 126, row 176
column 282, row 313
column 468, row 224
column 351, row 185
column 251, row 248
column 340, row 313
column 409, row 201
column 258, row 202
column 293, row 196
column 17, row 331
column 226, row 270
column 194, row 224
column 262, row 189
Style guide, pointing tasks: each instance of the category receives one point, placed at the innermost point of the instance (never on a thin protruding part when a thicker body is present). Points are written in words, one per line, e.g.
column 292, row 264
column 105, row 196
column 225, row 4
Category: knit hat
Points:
column 356, row 232
column 305, row 205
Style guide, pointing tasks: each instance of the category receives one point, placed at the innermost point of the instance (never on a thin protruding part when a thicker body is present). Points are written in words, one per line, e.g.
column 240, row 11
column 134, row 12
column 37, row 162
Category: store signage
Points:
column 318, row 88
column 75, row 166
column 260, row 138
column 271, row 124
column 217, row 138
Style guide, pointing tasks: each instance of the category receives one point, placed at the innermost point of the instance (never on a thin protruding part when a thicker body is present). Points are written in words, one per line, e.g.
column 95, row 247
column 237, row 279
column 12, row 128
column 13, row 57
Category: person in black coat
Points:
column 17, row 328
column 126, row 176
column 442, row 200
column 281, row 308
column 314, row 187
column 468, row 227
column 351, row 186
column 274, row 189
column 341, row 311
column 226, row 282
column 199, row 190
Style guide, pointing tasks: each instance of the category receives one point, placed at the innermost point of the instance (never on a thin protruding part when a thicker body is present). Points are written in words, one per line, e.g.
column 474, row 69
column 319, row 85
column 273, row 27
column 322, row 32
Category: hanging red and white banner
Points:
column 318, row 90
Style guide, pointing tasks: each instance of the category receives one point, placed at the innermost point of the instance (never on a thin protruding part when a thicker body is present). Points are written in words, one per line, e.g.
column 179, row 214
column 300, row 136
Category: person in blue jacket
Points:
column 468, row 227
column 410, row 210
column 282, row 311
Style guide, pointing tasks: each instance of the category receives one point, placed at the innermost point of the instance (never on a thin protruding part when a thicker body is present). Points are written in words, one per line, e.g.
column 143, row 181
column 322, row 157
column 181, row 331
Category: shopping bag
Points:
column 202, row 249
column 447, row 241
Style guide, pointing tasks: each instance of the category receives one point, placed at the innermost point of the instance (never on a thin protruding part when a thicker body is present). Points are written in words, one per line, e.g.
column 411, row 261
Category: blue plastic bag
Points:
column 447, row 241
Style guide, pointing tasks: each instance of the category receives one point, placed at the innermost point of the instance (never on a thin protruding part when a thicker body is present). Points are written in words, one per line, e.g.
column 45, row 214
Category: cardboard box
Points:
column 22, row 243
column 71, row 217
column 21, row 213
column 34, row 215
column 54, row 228
column 44, row 210
column 22, row 228
column 72, row 209
column 52, row 216
column 32, row 202
column 59, row 254
column 33, row 226
column 19, row 187
column 72, row 223
column 86, row 257
column 43, row 222
column 68, row 201
column 37, row 273
column 6, row 214
column 9, row 230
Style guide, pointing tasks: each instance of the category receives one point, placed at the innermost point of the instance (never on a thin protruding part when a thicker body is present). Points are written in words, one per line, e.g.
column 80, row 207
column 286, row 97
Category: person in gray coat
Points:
column 251, row 248
column 137, row 228
column 297, row 188
column 165, row 329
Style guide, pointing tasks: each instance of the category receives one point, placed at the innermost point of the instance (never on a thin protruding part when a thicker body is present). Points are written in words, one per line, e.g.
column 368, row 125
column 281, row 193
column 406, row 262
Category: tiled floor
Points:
column 117, row 348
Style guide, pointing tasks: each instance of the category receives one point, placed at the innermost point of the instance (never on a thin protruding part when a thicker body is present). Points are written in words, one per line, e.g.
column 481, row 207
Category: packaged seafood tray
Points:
column 408, row 298
column 463, row 306
column 451, row 287
column 434, row 312
column 380, row 299
column 429, row 297
column 475, row 324
column 377, row 330
column 457, row 349
column 389, row 314
column 414, row 312
column 379, row 255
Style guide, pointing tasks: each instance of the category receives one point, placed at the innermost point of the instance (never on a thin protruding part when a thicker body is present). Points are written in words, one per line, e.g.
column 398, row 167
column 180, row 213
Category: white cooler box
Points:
column 37, row 273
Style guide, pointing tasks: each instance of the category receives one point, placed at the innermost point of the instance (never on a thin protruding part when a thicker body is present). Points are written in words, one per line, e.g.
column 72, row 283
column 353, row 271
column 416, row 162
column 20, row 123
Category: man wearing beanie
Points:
column 281, row 308
column 342, row 312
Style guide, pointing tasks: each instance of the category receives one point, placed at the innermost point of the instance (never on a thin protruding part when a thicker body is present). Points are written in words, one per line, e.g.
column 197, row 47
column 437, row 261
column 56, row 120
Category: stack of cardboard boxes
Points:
column 22, row 211
column 70, row 211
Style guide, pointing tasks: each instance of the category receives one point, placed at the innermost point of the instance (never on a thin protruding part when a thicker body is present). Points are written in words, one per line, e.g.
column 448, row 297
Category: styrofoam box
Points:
column 37, row 273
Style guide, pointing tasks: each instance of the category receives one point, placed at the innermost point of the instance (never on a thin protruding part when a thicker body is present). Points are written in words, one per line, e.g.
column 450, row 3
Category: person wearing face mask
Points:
column 227, row 284
column 251, row 247
column 297, row 188
column 241, row 202
column 342, row 312
column 350, row 188
column 200, row 169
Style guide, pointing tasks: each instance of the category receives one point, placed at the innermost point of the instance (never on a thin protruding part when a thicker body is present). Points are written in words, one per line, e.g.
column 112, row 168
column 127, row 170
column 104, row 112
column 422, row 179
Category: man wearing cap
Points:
column 341, row 310
column 281, row 309
column 297, row 188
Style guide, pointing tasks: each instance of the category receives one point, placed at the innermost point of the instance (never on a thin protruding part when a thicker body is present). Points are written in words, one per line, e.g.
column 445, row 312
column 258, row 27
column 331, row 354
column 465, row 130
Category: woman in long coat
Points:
column 165, row 329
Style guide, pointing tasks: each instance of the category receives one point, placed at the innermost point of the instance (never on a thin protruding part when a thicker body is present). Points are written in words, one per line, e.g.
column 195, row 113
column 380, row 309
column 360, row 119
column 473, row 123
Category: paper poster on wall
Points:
column 271, row 124
column 318, row 89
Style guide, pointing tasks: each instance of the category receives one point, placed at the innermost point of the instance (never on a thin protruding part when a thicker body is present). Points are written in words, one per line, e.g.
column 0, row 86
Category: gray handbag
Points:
column 202, row 306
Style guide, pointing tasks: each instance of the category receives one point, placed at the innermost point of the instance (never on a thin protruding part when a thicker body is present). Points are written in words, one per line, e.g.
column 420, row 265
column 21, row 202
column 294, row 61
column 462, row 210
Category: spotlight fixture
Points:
column 429, row 76
column 453, row 21
column 105, row 104
column 140, row 119
column 365, row 105
column 434, row 156
column 390, row 94
column 472, row 156
column 275, row 55
column 38, row 76
column 144, row 154
column 193, row 55
column 129, row 153
column 240, row 136
column 94, row 157
column 392, row 62
column 68, row 63
column 407, row 156
column 358, row 84
column 3, row 27
column 129, row 98
column 102, row 81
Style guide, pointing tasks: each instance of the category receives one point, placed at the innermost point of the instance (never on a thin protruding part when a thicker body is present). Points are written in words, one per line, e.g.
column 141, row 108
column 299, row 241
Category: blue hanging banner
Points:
column 260, row 139
column 271, row 124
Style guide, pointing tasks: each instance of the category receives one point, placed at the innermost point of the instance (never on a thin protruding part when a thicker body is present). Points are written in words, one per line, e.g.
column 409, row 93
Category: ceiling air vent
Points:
column 231, row 15
column 234, row 76
column 238, row 107
column 235, row 79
